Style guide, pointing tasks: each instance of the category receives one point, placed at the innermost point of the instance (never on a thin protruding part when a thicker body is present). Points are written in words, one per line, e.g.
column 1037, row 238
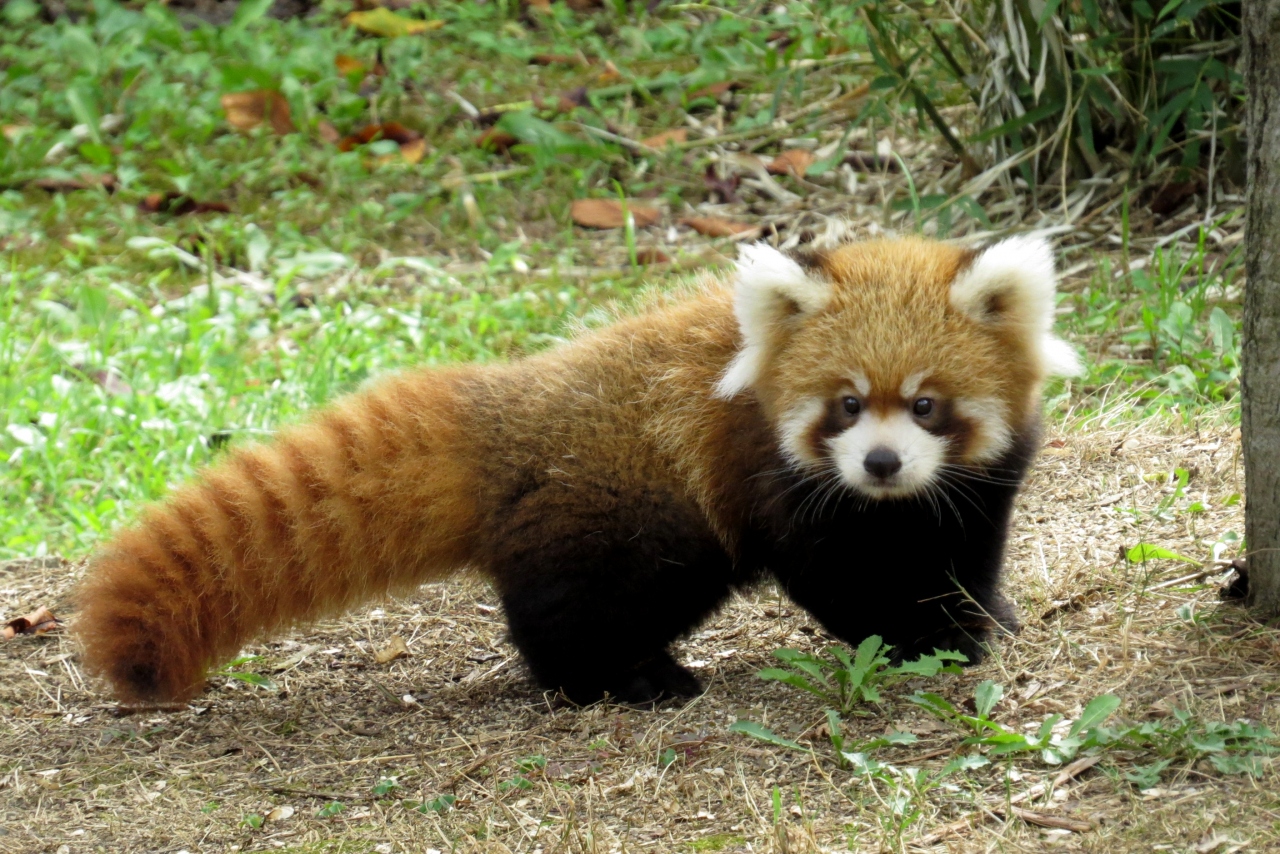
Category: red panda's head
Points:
column 890, row 362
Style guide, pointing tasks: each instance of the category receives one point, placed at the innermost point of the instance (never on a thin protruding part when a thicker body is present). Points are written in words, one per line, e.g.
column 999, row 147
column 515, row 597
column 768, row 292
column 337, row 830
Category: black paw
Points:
column 656, row 680
column 972, row 641
column 644, row 685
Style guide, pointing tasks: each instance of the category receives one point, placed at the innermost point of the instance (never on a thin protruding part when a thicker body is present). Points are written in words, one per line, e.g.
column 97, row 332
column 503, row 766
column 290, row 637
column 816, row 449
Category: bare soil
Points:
column 457, row 717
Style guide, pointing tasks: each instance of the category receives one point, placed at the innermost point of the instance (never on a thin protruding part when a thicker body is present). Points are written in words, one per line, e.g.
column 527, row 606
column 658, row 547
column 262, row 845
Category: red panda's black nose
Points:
column 882, row 462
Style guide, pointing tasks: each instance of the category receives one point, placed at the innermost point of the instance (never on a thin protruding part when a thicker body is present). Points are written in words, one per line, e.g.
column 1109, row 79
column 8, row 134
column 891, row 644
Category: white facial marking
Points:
column 990, row 420
column 795, row 427
column 861, row 384
column 910, row 386
column 920, row 452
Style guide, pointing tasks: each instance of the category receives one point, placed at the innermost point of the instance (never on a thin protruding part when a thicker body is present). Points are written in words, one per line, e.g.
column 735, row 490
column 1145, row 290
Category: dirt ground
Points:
column 457, row 718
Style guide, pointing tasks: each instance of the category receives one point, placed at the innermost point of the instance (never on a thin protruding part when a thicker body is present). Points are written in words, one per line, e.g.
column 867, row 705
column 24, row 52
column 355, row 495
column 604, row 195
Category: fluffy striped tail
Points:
column 370, row 496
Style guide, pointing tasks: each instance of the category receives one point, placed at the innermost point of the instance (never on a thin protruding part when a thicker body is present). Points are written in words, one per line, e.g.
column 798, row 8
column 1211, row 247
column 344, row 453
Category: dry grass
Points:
column 457, row 716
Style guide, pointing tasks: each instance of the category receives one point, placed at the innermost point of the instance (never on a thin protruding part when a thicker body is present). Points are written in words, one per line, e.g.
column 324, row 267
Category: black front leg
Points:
column 921, row 612
column 921, row 577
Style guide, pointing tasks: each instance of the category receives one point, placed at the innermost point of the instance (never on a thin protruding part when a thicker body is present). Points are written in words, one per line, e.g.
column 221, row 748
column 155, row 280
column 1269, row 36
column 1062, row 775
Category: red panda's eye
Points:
column 852, row 406
column 923, row 407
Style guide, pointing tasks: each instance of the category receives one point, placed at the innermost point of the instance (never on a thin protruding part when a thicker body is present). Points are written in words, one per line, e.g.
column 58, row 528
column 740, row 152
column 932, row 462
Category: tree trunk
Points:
column 1260, row 382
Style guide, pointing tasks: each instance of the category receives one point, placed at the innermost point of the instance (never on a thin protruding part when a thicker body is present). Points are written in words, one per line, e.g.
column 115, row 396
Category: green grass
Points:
column 135, row 344
column 1165, row 335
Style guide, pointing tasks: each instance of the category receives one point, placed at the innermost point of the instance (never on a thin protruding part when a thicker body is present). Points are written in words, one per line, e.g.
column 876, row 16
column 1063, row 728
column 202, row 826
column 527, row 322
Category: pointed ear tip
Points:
column 1061, row 359
column 1034, row 244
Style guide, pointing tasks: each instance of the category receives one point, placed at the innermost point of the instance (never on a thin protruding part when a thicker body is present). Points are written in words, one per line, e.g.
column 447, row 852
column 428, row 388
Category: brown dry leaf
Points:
column 38, row 622
column 725, row 187
column 13, row 133
column 394, row 649
column 413, row 151
column 179, row 205
column 280, row 813
column 496, row 140
column 667, row 137
column 607, row 213
column 539, row 5
column 1171, row 196
column 652, row 256
column 328, row 132
column 110, row 380
column 85, row 181
column 412, row 146
column 714, row 90
column 383, row 22
column 247, row 110
column 793, row 161
column 347, row 64
column 611, row 74
column 714, row 226
column 553, row 59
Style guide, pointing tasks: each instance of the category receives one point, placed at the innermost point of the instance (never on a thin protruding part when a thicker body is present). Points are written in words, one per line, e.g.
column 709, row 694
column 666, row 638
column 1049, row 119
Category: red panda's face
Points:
column 894, row 364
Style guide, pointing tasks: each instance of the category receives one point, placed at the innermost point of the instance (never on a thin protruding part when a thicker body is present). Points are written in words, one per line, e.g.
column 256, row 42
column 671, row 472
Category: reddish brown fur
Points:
column 407, row 481
column 892, row 318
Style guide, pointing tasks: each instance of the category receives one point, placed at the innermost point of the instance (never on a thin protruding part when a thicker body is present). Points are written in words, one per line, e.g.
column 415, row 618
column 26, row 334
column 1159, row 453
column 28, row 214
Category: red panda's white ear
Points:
column 770, row 291
column 1012, row 284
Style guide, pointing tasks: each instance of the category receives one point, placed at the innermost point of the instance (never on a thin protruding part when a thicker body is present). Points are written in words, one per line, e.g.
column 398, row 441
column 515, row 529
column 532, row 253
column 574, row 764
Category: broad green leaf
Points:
column 938, row 705
column 1099, row 709
column 1234, row 763
column 795, row 680
column 381, row 21
column 248, row 11
column 81, row 102
column 763, row 733
column 986, row 696
column 963, row 763
column 256, row 679
column 1143, row 552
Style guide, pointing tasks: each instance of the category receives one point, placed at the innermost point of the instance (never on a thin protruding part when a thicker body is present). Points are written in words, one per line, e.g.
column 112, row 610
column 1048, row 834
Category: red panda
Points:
column 852, row 422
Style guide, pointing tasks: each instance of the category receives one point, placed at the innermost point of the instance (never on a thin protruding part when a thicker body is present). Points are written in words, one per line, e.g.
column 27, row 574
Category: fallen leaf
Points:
column 793, row 161
column 496, row 140
column 564, row 102
column 667, row 137
column 85, row 181
column 348, row 64
column 714, row 226
column 178, row 204
column 611, row 74
column 248, row 110
column 13, row 133
column 1171, row 196
column 412, row 146
column 38, row 622
column 414, row 151
column 553, row 59
column 539, row 5
column 280, row 813
column 328, row 132
column 607, row 213
column 383, row 22
column 714, row 90
column 726, row 188
column 397, row 648
column 110, row 380
column 652, row 256
column 869, row 161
